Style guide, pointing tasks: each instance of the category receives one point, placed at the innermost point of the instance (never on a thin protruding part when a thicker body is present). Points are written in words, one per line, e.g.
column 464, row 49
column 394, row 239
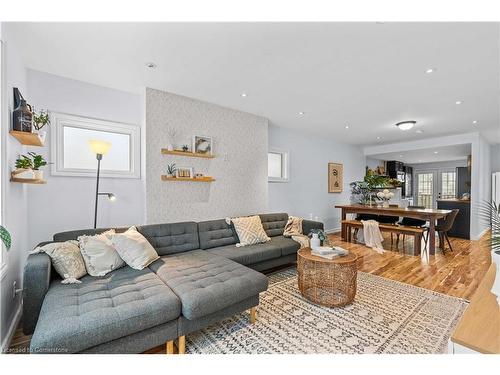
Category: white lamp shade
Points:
column 99, row 147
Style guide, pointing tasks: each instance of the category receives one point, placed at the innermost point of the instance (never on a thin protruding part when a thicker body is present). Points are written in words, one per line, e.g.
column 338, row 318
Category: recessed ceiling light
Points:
column 347, row 126
column 419, row 131
column 430, row 70
column 458, row 102
column 435, row 152
column 406, row 125
column 420, row 160
column 475, row 122
column 302, row 113
column 243, row 94
column 378, row 137
column 400, row 156
column 151, row 65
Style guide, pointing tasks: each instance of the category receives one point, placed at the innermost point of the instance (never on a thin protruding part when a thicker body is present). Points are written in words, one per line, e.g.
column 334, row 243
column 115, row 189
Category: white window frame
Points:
column 57, row 123
column 285, row 166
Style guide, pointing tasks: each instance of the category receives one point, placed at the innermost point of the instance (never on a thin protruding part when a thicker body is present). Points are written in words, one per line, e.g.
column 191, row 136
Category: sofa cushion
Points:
column 171, row 238
column 206, row 283
column 287, row 245
column 250, row 254
column 215, row 233
column 274, row 224
column 76, row 317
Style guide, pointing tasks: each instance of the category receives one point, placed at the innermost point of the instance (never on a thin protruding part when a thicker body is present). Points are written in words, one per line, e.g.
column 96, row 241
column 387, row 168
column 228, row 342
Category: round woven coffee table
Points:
column 330, row 283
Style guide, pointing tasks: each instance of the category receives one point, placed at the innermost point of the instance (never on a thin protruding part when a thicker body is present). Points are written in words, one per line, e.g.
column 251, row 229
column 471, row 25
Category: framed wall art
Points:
column 335, row 177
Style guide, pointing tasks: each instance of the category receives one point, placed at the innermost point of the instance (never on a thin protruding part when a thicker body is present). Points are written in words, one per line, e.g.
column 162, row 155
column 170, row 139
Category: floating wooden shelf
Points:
column 27, row 138
column 199, row 179
column 27, row 180
column 190, row 154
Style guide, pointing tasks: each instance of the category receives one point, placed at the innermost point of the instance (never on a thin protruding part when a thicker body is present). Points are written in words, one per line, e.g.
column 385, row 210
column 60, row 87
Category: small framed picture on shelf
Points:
column 184, row 172
column 203, row 145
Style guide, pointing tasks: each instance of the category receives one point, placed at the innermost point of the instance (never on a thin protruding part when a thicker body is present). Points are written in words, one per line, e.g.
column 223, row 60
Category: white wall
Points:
column 441, row 165
column 67, row 203
column 14, row 195
column 495, row 158
column 307, row 191
column 240, row 165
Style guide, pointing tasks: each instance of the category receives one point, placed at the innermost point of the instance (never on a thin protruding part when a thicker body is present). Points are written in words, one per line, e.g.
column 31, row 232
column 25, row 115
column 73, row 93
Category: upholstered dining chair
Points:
column 411, row 222
column 443, row 226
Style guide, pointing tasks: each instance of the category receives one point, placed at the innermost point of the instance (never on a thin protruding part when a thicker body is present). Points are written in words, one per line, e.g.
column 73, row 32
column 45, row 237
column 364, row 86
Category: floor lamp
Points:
column 100, row 148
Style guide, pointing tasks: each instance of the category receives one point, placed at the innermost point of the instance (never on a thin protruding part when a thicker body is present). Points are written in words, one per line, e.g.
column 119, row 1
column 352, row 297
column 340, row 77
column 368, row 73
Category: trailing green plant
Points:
column 171, row 169
column 365, row 191
column 24, row 162
column 5, row 236
column 41, row 119
column 38, row 160
column 489, row 212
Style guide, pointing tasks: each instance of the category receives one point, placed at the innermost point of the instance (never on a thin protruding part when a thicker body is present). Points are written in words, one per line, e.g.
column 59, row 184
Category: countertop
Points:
column 454, row 200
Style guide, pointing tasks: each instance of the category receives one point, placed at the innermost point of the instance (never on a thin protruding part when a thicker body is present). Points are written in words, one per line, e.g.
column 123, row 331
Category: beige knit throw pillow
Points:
column 250, row 230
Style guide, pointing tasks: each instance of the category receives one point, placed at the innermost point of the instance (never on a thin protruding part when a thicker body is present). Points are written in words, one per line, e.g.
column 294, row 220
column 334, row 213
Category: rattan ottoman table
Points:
column 326, row 282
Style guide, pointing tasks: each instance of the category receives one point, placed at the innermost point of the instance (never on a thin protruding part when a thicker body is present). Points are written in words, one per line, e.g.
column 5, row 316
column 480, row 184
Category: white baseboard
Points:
column 332, row 230
column 12, row 329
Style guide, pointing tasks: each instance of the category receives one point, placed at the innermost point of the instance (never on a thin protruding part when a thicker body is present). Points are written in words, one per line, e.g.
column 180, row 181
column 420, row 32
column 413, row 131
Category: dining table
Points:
column 427, row 214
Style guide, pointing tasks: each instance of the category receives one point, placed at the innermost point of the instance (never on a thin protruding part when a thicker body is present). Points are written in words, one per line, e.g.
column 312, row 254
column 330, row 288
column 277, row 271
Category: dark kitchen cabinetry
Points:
column 393, row 167
column 462, row 181
column 461, row 226
column 407, row 187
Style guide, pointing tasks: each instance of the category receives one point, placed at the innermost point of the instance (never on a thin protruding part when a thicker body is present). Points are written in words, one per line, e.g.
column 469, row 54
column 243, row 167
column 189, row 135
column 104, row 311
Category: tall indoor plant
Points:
column 490, row 213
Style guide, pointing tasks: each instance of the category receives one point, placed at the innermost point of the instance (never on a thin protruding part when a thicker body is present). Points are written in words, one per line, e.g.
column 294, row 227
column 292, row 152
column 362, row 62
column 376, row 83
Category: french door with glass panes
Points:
column 434, row 184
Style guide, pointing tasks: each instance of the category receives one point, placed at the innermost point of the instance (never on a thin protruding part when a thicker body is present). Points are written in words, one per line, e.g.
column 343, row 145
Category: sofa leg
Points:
column 182, row 345
column 253, row 315
column 170, row 347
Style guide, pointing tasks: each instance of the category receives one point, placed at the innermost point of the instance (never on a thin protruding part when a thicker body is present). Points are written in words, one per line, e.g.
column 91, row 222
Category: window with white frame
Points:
column 277, row 166
column 73, row 156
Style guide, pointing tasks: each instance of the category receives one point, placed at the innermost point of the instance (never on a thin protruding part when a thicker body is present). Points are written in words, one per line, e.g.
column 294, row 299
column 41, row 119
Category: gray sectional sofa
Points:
column 200, row 278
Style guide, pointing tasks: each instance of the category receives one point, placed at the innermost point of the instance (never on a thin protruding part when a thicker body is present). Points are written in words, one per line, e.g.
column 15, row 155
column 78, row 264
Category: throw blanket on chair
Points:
column 293, row 229
column 371, row 235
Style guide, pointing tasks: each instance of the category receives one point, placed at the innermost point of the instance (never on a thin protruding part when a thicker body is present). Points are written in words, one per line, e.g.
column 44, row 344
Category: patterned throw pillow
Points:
column 66, row 259
column 99, row 255
column 250, row 230
column 134, row 248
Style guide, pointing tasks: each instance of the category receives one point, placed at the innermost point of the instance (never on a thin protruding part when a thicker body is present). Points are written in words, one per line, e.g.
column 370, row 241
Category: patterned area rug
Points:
column 386, row 317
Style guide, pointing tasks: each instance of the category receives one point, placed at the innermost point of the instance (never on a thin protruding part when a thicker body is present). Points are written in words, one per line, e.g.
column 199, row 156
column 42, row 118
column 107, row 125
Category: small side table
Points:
column 326, row 282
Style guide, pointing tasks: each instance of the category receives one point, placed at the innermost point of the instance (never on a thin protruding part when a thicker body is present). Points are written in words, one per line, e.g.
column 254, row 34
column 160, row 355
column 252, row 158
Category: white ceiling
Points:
column 368, row 76
column 429, row 155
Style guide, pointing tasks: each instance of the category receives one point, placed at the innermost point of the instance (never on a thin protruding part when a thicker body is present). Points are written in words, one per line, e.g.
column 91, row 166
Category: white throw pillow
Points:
column 134, row 248
column 250, row 230
column 66, row 259
column 99, row 255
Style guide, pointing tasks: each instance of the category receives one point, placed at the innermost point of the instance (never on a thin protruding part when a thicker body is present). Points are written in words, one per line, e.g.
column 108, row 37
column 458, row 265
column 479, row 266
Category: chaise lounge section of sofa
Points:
column 200, row 278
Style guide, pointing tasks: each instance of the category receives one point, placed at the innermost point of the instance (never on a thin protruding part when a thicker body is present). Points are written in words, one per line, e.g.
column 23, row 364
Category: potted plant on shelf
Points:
column 24, row 168
column 38, row 162
column 40, row 120
column 171, row 170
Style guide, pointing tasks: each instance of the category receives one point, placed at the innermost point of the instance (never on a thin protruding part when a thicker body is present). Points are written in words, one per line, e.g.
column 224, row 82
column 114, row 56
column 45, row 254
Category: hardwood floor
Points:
column 456, row 273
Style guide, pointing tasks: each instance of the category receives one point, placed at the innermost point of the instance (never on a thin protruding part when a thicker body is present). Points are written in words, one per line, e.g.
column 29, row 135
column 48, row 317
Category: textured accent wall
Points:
column 240, row 166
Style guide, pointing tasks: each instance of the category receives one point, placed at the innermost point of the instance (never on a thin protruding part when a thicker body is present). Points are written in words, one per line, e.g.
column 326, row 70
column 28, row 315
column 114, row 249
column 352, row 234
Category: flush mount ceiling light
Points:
column 406, row 125
column 430, row 70
column 151, row 65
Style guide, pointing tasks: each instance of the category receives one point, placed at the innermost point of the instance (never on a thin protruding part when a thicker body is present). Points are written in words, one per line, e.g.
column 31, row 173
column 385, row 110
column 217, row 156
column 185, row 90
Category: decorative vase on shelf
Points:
column 22, row 117
column 315, row 241
column 38, row 174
